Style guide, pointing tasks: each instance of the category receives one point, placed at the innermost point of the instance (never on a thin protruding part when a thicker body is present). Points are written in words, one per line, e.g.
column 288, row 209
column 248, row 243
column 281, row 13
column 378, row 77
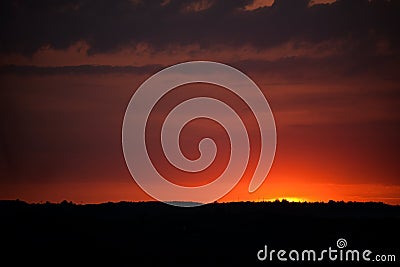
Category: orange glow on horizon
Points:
column 319, row 157
column 129, row 191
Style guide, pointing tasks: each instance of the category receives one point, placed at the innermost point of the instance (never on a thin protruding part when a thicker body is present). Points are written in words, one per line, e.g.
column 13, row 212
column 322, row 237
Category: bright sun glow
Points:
column 290, row 199
column 293, row 199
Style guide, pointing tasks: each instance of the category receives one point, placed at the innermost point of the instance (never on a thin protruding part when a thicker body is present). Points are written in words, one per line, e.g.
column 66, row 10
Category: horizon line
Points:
column 278, row 200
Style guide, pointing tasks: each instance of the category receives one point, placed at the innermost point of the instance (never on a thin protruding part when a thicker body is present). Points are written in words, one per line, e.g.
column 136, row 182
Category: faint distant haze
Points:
column 330, row 72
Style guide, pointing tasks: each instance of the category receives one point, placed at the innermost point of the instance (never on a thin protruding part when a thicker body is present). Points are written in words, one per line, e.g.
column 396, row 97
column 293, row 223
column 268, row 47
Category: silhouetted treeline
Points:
column 218, row 234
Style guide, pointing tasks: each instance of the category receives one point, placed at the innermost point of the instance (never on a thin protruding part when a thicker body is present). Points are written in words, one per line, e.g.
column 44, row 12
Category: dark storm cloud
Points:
column 77, row 70
column 109, row 25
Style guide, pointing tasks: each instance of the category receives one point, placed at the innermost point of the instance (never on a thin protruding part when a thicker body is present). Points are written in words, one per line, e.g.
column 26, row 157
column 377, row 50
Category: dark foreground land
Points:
column 156, row 234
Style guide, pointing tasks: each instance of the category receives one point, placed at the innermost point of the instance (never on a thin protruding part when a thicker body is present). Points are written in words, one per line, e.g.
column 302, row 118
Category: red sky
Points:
column 332, row 84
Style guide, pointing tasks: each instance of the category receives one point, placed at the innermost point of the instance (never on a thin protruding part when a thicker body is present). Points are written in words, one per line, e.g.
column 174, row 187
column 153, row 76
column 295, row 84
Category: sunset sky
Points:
column 329, row 70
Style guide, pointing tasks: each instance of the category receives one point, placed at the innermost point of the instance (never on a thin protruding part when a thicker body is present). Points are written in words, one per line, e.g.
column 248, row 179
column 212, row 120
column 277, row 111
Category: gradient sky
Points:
column 329, row 69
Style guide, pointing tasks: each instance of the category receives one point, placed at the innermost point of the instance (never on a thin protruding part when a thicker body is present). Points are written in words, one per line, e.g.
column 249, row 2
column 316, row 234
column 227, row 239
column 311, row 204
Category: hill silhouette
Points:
column 218, row 234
